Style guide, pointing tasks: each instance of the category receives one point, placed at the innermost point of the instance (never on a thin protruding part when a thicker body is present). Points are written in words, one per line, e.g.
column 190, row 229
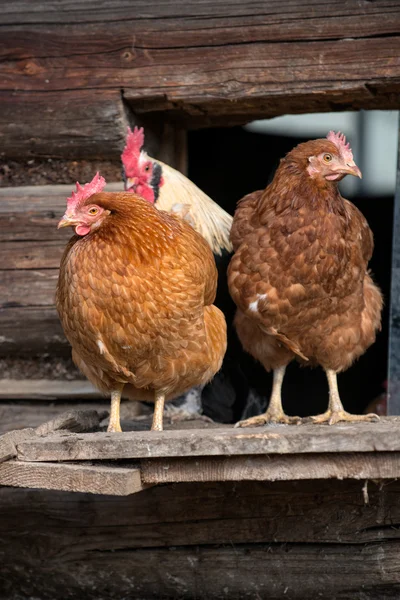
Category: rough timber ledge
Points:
column 59, row 455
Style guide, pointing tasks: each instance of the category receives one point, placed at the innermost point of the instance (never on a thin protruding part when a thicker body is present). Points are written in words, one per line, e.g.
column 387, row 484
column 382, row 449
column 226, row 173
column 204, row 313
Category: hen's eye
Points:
column 93, row 211
column 327, row 157
column 147, row 168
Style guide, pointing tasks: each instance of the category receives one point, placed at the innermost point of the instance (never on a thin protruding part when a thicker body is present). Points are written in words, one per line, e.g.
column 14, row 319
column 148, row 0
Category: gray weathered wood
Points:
column 74, row 124
column 22, row 414
column 75, row 421
column 312, row 539
column 47, row 389
column 9, row 441
column 302, row 439
column 90, row 479
column 208, row 64
column 361, row 465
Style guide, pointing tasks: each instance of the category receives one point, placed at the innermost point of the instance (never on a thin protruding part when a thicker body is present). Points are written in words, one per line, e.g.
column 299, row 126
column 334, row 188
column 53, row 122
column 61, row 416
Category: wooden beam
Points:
column 72, row 124
column 272, row 467
column 63, row 75
column 90, row 479
column 305, row 439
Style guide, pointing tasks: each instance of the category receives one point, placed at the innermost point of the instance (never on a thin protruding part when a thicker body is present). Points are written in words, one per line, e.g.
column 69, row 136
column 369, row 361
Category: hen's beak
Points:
column 352, row 169
column 66, row 222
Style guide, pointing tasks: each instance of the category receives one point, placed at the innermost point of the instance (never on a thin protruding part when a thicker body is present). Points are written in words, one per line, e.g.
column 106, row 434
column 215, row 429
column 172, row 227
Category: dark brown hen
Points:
column 299, row 274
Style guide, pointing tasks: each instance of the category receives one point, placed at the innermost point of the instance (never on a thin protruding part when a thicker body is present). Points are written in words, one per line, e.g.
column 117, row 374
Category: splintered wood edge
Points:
column 305, row 439
column 361, row 465
column 90, row 479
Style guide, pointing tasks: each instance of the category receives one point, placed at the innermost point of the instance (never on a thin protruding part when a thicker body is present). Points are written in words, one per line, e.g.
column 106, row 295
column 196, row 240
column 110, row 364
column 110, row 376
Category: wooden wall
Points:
column 74, row 74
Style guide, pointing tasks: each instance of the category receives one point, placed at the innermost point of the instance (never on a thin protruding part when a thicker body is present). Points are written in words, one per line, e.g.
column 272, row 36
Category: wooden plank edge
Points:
column 304, row 439
column 47, row 389
column 89, row 479
column 361, row 465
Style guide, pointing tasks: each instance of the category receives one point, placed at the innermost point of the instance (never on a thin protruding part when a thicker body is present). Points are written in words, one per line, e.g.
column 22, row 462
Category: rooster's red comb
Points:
column 84, row 192
column 339, row 139
column 133, row 146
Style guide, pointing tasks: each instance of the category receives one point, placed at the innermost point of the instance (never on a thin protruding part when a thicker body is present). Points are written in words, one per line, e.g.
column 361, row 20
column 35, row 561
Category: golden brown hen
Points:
column 299, row 274
column 135, row 298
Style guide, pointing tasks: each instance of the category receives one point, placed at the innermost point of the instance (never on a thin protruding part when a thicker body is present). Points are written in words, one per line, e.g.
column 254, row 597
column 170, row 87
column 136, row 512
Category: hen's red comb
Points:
column 133, row 146
column 84, row 192
column 339, row 139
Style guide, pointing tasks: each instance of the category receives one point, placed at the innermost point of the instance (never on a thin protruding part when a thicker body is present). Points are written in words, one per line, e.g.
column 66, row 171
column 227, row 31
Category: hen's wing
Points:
column 360, row 232
column 245, row 219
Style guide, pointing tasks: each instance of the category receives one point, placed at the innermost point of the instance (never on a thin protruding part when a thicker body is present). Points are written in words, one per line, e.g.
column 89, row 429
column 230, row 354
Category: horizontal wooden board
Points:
column 19, row 415
column 302, row 439
column 312, row 539
column 75, row 124
column 67, row 72
column 91, row 479
column 354, row 465
column 25, row 331
column 47, row 389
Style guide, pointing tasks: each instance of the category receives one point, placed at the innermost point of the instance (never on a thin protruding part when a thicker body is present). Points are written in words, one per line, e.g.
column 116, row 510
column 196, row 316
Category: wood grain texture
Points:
column 259, row 540
column 21, row 414
column 355, row 465
column 47, row 389
column 301, row 439
column 64, row 66
column 91, row 479
column 9, row 441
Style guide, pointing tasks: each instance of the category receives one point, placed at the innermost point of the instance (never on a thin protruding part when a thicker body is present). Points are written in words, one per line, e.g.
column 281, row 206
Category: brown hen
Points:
column 299, row 273
column 135, row 298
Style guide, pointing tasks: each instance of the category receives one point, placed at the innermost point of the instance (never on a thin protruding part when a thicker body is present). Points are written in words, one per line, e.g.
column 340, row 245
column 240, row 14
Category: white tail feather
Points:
column 207, row 218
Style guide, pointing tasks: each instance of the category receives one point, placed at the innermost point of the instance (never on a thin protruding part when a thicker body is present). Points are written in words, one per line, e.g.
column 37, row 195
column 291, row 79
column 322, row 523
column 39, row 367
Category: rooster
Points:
column 299, row 274
column 171, row 191
column 135, row 298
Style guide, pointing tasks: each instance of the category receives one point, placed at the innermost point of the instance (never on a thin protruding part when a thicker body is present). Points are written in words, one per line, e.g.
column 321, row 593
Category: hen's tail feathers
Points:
column 205, row 215
column 295, row 348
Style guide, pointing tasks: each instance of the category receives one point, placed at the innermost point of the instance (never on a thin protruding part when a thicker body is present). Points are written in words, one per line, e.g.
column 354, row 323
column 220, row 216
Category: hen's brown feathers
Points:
column 299, row 274
column 135, row 299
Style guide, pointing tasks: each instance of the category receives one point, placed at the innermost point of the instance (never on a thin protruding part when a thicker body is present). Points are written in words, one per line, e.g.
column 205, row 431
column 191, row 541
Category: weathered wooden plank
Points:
column 25, row 287
column 90, row 479
column 28, row 330
column 382, row 465
column 359, row 437
column 207, row 513
column 9, row 440
column 75, row 421
column 207, row 64
column 47, row 389
column 78, row 123
column 18, row 415
column 344, row 546
column 44, row 254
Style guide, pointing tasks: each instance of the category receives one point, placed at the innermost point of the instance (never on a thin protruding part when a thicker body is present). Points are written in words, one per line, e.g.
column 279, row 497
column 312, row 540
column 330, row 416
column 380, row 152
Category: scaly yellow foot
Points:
column 332, row 417
column 266, row 418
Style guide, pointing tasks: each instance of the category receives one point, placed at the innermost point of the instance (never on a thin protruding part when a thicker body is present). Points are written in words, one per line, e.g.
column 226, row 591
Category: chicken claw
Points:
column 335, row 416
column 269, row 418
column 336, row 412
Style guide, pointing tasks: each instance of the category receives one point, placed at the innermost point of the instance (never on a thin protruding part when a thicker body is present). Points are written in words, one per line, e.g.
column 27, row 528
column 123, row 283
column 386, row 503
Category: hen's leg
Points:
column 159, row 399
column 114, row 424
column 336, row 412
column 274, row 413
